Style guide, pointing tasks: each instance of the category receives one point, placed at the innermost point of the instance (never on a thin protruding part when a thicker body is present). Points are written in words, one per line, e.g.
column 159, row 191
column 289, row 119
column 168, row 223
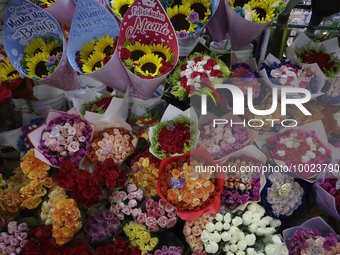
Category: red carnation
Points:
column 125, row 54
column 198, row 59
column 211, row 62
column 183, row 67
column 207, row 67
column 216, row 73
column 184, row 81
column 164, row 70
column 194, row 74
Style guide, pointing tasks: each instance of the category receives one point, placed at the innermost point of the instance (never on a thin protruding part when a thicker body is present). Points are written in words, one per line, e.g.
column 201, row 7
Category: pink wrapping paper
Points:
column 35, row 135
column 62, row 10
column 139, row 26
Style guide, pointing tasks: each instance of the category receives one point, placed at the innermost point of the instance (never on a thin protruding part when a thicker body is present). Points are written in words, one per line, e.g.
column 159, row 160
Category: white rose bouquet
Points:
column 249, row 232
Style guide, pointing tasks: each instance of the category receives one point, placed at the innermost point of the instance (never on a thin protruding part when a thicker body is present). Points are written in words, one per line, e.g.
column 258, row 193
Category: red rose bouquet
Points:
column 81, row 184
column 109, row 175
column 100, row 104
column 120, row 247
column 83, row 249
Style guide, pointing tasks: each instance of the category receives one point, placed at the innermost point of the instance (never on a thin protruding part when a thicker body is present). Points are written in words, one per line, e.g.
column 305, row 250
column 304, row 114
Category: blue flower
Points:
column 239, row 11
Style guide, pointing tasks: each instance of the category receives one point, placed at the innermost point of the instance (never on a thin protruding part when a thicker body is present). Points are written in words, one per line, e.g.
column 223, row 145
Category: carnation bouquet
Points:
column 64, row 137
column 191, row 192
column 197, row 75
column 14, row 240
column 157, row 215
column 249, row 231
column 314, row 236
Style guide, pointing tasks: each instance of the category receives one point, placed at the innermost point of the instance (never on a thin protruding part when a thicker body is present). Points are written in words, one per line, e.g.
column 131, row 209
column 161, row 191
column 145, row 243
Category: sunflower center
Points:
column 160, row 54
column 200, row 9
column 137, row 54
column 40, row 69
column 176, row 2
column 12, row 73
column 150, row 67
column 123, row 9
column 240, row 3
column 262, row 13
column 98, row 64
column 37, row 51
column 179, row 22
column 56, row 51
column 108, row 50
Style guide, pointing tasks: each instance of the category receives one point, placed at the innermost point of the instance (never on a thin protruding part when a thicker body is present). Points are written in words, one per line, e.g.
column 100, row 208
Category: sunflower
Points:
column 162, row 51
column 8, row 72
column 149, row 64
column 86, row 51
column 35, row 46
column 202, row 7
column 175, row 2
column 178, row 16
column 5, row 62
column 238, row 3
column 120, row 7
column 36, row 67
column 94, row 62
column 105, row 45
column 48, row 2
column 263, row 11
column 138, row 50
column 55, row 47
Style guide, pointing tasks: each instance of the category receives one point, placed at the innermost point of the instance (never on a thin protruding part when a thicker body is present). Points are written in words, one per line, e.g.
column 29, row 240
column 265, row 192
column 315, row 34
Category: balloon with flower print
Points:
column 35, row 45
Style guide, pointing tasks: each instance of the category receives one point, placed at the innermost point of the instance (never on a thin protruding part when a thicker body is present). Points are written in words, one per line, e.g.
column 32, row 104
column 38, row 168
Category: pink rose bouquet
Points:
column 193, row 229
column 15, row 239
column 125, row 202
column 65, row 138
column 157, row 215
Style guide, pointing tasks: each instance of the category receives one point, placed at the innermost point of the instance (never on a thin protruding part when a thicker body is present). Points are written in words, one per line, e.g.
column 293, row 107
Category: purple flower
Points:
column 111, row 229
column 182, row 35
column 22, row 226
column 165, row 248
column 51, row 60
column 22, row 236
column 108, row 215
column 173, row 249
column 158, row 252
column 193, row 17
column 15, row 241
column 114, row 222
column 23, row 243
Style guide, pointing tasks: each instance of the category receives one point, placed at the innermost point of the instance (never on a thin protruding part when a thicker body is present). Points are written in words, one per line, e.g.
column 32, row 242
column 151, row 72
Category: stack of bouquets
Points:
column 24, row 143
column 81, row 184
column 64, row 138
column 249, row 232
column 157, row 215
column 193, row 229
column 102, row 226
column 115, row 143
column 15, row 239
column 126, row 202
column 241, row 186
column 283, row 196
column 138, row 236
column 197, row 75
column 144, row 173
column 120, row 246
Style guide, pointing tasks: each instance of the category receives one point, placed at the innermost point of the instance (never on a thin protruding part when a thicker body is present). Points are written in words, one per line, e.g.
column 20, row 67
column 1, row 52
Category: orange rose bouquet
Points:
column 66, row 221
column 192, row 192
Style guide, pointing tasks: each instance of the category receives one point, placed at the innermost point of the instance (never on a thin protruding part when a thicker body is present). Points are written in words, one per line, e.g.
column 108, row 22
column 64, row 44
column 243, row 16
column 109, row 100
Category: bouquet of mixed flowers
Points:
column 115, row 143
column 96, row 54
column 148, row 59
column 144, row 173
column 81, row 184
column 24, row 143
column 256, row 10
column 8, row 74
column 249, row 231
column 157, row 215
column 14, row 240
column 138, row 236
column 126, row 202
column 103, row 225
column 198, row 74
column 120, row 246
column 141, row 125
column 193, row 229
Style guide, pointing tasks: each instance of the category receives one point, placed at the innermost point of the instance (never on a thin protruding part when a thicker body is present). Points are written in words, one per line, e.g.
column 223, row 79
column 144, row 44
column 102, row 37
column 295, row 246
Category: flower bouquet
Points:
column 14, row 240
column 119, row 247
column 335, row 121
column 168, row 250
column 77, row 249
column 321, row 55
column 42, row 56
column 141, row 125
column 249, row 231
column 284, row 73
column 157, row 215
column 225, row 139
column 81, row 184
column 66, row 221
column 177, row 133
column 198, row 74
column 314, row 236
column 24, row 143
column 102, row 226
column 138, row 236
column 64, row 138
column 193, row 229
column 144, row 173
column 126, row 202
column 119, row 7
column 109, row 175
column 114, row 143
column 332, row 92
column 191, row 192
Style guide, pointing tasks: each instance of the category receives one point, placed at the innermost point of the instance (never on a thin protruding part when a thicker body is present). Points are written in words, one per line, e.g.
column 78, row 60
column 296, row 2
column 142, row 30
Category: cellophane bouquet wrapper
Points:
column 62, row 11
